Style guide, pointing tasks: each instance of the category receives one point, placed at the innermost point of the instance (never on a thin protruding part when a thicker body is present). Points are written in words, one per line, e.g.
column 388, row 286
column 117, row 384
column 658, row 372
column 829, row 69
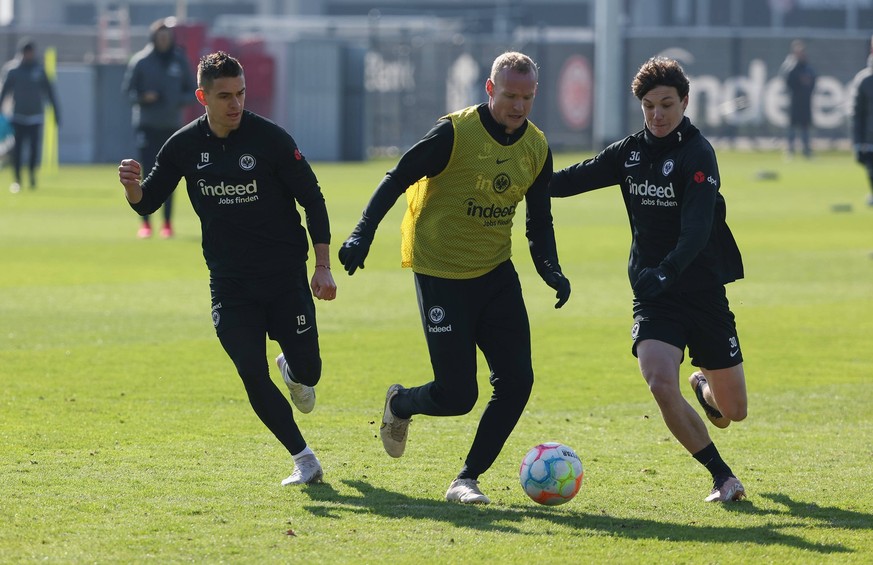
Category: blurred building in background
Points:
column 354, row 78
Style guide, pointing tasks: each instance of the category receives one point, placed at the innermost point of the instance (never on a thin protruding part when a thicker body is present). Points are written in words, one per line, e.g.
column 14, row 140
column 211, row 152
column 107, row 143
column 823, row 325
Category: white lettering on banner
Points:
column 757, row 99
column 388, row 76
column 462, row 83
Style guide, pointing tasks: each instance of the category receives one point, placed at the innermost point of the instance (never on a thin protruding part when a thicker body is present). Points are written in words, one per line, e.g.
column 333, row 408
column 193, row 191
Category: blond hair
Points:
column 515, row 61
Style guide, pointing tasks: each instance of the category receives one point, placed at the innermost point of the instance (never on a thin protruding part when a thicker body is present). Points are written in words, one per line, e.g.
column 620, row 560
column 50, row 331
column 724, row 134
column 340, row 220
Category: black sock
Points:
column 398, row 410
column 467, row 474
column 710, row 458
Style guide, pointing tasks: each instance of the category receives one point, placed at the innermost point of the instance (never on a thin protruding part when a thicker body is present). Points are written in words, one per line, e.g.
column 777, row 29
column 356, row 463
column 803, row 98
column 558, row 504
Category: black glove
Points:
column 559, row 282
column 653, row 281
column 353, row 252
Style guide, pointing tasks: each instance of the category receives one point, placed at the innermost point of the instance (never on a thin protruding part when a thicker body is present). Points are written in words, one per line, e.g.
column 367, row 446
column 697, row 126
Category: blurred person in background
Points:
column 245, row 176
column 682, row 256
column 159, row 82
column 463, row 182
column 25, row 80
column 799, row 78
column 862, row 119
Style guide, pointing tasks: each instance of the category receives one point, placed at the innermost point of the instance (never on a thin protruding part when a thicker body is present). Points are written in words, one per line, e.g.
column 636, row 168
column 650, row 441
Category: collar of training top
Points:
column 496, row 130
column 203, row 125
column 683, row 132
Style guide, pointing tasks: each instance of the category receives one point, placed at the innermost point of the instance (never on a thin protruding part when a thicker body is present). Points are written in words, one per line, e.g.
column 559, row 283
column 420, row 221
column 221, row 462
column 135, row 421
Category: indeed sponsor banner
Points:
column 736, row 87
column 736, row 90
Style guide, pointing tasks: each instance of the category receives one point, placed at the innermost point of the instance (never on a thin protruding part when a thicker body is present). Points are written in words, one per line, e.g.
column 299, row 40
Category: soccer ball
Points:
column 551, row 473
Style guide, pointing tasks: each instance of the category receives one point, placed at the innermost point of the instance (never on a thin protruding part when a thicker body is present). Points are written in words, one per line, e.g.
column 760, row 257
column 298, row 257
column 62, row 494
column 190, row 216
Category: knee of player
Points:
column 463, row 404
column 306, row 371
column 457, row 401
column 735, row 411
column 519, row 382
column 661, row 385
column 250, row 368
column 309, row 378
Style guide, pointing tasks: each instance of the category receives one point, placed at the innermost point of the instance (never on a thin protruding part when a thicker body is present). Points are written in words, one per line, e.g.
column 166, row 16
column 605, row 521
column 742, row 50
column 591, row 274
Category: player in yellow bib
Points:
column 463, row 182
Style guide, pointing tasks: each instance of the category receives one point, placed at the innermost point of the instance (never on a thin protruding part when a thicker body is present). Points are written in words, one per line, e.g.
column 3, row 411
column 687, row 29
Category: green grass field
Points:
column 127, row 436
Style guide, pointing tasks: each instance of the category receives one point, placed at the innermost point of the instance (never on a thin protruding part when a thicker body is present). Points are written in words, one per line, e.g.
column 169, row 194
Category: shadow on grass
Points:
column 828, row 515
column 393, row 505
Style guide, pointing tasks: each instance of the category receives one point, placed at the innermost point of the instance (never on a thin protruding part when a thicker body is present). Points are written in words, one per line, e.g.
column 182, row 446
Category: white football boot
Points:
column 726, row 489
column 393, row 430
column 306, row 472
column 466, row 491
column 302, row 396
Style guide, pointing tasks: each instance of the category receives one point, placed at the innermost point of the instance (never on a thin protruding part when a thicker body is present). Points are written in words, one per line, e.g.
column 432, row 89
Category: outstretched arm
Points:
column 427, row 158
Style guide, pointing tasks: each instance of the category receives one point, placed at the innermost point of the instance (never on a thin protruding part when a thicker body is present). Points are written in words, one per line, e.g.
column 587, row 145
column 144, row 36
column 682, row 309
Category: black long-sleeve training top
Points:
column 243, row 188
column 671, row 192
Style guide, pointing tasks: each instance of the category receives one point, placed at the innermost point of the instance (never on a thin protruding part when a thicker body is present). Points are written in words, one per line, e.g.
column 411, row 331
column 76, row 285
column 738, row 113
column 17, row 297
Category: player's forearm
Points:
column 133, row 192
column 322, row 254
column 129, row 174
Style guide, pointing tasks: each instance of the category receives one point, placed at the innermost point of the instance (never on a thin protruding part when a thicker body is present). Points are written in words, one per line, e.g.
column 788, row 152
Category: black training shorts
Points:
column 281, row 305
column 487, row 311
column 700, row 320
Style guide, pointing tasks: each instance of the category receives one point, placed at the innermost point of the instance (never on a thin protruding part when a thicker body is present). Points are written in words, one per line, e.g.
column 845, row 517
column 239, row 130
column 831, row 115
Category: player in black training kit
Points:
column 682, row 254
column 243, row 174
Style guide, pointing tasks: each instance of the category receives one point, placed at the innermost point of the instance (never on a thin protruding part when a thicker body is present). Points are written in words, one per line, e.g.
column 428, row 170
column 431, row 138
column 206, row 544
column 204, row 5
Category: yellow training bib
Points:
column 458, row 224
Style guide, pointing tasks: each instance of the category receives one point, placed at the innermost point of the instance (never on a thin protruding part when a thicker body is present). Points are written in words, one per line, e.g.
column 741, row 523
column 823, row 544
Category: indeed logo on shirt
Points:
column 477, row 210
column 646, row 189
column 230, row 193
column 658, row 195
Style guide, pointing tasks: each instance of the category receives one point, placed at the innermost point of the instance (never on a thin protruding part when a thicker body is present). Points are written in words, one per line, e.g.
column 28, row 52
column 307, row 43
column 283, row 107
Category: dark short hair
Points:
column 660, row 71
column 26, row 44
column 217, row 65
column 158, row 25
